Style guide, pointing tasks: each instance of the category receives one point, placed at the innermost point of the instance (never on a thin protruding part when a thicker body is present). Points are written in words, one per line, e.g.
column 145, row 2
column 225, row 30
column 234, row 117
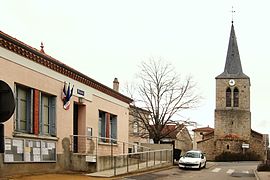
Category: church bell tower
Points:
column 232, row 113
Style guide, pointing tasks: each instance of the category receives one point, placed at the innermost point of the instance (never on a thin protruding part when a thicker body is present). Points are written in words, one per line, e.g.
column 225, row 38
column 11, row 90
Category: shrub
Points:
column 264, row 166
column 228, row 156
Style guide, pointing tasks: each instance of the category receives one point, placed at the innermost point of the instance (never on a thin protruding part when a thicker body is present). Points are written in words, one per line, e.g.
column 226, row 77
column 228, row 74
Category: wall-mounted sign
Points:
column 245, row 146
column 80, row 92
column 90, row 158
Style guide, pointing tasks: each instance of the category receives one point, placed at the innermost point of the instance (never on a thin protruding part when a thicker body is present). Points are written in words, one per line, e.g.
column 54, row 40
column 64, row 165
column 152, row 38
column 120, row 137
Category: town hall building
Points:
column 232, row 138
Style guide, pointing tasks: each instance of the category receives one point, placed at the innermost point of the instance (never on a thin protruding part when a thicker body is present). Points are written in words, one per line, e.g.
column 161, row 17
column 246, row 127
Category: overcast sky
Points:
column 107, row 39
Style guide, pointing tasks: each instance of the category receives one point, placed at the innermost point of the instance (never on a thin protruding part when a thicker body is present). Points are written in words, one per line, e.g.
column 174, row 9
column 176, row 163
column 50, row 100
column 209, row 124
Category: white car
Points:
column 193, row 159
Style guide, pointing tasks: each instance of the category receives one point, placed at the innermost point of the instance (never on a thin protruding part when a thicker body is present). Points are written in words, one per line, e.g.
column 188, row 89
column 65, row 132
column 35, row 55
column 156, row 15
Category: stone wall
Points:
column 243, row 86
column 208, row 147
column 183, row 141
column 232, row 122
column 228, row 145
column 257, row 145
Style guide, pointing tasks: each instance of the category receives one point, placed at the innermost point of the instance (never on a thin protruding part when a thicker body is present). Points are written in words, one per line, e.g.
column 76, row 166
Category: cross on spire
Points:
column 233, row 11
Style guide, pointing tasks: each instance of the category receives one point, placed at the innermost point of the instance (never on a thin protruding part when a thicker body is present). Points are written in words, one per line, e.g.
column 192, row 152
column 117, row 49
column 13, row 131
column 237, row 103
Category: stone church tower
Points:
column 232, row 113
column 232, row 133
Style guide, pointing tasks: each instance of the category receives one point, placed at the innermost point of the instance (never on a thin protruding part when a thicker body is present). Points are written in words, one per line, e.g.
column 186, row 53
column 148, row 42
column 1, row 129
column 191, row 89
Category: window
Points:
column 102, row 125
column 107, row 126
column 113, row 123
column 235, row 97
column 135, row 127
column 47, row 115
column 35, row 112
column 24, row 107
column 228, row 97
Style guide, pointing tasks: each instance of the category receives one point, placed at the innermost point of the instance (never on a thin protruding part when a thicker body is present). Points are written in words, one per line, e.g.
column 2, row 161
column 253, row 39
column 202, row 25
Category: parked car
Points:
column 193, row 159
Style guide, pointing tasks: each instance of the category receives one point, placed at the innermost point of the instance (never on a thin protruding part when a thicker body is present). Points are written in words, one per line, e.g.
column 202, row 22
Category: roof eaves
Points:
column 12, row 44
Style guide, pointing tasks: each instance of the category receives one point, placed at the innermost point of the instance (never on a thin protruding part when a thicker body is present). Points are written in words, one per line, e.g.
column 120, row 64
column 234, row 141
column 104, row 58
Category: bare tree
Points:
column 162, row 94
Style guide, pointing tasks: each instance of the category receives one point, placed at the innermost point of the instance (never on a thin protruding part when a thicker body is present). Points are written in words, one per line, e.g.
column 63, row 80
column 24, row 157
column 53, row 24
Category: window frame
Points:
column 102, row 127
column 28, row 109
column 51, row 114
column 235, row 97
column 228, row 97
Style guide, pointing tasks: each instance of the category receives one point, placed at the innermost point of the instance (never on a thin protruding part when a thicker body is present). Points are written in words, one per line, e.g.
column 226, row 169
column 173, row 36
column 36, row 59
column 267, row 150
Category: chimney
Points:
column 116, row 85
column 42, row 46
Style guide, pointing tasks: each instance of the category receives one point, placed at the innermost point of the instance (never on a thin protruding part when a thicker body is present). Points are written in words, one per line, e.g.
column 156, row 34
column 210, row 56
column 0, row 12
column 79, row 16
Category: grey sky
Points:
column 107, row 39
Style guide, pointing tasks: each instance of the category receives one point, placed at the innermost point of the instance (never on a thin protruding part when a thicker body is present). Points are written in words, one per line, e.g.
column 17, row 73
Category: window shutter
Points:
column 114, row 127
column 52, row 116
column 29, row 109
column 40, row 114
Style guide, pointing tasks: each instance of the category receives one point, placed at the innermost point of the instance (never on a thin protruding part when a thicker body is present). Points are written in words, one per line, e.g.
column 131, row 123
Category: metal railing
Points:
column 130, row 162
column 122, row 157
column 101, row 146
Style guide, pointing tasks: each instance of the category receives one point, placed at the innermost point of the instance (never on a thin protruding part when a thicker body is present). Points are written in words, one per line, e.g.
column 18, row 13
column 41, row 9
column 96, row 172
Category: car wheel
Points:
column 200, row 166
column 204, row 165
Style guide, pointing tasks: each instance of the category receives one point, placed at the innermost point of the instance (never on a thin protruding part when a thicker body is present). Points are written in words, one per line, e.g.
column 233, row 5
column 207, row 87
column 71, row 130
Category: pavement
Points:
column 262, row 175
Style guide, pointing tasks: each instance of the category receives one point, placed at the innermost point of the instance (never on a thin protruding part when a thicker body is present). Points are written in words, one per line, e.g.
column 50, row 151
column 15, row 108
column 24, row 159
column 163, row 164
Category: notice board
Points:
column 29, row 150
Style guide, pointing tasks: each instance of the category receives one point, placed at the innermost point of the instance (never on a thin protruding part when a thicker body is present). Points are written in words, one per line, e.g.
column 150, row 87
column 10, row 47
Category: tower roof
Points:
column 233, row 67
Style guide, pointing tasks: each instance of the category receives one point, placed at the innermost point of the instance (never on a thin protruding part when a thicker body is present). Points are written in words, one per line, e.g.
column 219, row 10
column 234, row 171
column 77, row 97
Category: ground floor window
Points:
column 35, row 111
column 107, row 127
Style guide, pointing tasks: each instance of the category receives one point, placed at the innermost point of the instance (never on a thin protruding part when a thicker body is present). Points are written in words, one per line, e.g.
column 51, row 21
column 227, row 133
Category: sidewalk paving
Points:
column 262, row 175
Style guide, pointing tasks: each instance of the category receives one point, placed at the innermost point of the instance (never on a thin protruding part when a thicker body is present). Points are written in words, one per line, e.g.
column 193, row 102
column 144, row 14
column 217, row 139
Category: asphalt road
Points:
column 215, row 171
column 221, row 171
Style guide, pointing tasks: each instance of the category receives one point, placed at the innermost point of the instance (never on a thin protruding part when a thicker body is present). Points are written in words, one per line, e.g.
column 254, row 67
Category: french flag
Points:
column 67, row 96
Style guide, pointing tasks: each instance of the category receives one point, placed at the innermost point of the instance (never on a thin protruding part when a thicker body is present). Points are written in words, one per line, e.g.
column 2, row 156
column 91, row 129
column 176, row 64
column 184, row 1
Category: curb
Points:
column 256, row 174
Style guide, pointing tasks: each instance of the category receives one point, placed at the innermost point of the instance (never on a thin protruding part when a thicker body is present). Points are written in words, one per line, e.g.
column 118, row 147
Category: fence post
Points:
column 172, row 156
column 111, row 153
column 138, row 163
column 127, row 162
column 123, row 147
column 114, row 164
column 166, row 155
column 160, row 154
column 154, row 158
column 147, row 159
column 96, row 147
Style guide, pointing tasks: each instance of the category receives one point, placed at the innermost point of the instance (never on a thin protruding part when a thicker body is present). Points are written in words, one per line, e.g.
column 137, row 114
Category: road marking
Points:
column 216, row 170
column 230, row 171
column 247, row 172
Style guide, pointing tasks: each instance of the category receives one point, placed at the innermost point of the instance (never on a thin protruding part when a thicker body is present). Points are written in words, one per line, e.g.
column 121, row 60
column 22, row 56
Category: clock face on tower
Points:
column 231, row 82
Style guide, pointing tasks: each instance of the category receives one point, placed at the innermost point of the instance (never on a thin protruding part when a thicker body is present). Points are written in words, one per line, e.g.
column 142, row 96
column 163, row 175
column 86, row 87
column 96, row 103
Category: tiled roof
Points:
column 12, row 44
column 203, row 129
column 170, row 130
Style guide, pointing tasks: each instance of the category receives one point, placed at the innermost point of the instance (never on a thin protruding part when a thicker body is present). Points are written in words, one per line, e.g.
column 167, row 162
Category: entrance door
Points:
column 75, row 127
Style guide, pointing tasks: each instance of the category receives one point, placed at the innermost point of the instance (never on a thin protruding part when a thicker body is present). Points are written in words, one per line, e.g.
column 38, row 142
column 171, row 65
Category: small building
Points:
column 200, row 134
column 138, row 134
column 58, row 110
column 178, row 136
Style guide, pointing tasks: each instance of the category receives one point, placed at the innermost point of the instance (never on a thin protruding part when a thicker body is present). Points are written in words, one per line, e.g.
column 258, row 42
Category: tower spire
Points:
column 233, row 67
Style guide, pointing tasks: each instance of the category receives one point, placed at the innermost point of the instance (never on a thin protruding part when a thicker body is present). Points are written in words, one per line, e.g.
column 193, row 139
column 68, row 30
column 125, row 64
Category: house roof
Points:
column 203, row 129
column 171, row 130
column 233, row 67
column 12, row 44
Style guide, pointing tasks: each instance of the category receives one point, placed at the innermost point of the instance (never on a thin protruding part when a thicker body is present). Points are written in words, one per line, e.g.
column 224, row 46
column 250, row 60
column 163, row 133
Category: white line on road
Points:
column 230, row 171
column 245, row 172
column 216, row 170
